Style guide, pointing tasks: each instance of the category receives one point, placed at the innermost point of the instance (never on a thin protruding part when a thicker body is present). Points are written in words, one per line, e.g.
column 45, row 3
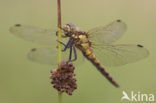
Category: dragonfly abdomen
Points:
column 91, row 57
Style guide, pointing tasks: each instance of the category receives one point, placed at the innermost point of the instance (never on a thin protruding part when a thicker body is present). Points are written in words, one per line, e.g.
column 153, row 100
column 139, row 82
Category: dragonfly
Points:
column 97, row 45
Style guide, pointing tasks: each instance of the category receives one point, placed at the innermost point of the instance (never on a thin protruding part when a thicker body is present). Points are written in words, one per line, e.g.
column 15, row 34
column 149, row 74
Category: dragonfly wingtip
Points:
column 140, row 45
column 17, row 25
column 118, row 20
column 33, row 49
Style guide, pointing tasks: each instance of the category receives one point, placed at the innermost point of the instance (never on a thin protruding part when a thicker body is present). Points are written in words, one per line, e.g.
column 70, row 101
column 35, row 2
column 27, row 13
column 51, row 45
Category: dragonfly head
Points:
column 69, row 29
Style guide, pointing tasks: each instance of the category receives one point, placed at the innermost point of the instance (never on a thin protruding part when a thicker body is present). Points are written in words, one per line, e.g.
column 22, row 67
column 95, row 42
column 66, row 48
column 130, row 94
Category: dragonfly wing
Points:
column 35, row 34
column 109, row 33
column 48, row 55
column 116, row 55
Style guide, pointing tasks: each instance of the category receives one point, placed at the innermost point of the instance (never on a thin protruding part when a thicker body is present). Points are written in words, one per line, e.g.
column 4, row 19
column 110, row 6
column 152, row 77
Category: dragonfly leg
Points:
column 70, row 55
column 56, row 33
column 75, row 55
column 68, row 45
column 61, row 43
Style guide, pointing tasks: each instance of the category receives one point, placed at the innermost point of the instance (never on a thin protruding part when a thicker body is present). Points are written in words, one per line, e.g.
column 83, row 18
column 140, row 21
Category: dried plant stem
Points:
column 59, row 39
column 59, row 46
column 59, row 30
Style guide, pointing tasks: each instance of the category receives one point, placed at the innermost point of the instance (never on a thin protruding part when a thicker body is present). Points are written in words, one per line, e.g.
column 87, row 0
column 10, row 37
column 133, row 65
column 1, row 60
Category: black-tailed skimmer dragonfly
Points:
column 96, row 45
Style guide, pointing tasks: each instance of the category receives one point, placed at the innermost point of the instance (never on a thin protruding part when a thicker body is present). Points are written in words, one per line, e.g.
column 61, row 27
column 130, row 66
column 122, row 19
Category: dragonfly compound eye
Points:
column 70, row 27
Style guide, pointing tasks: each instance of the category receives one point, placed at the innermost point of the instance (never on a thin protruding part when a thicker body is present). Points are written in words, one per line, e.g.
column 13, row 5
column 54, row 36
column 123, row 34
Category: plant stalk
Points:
column 59, row 39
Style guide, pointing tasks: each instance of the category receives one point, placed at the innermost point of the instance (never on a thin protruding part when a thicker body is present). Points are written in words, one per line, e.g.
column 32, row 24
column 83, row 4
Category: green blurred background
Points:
column 22, row 81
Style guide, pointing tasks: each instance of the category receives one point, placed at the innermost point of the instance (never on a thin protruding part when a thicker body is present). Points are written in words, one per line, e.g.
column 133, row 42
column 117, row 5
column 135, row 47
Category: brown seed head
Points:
column 63, row 78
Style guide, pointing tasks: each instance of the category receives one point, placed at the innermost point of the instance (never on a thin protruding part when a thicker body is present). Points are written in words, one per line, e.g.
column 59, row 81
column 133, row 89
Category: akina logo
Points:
column 137, row 96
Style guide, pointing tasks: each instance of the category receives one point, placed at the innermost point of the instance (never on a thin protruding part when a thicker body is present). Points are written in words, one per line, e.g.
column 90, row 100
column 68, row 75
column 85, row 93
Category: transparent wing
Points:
column 116, row 55
column 34, row 34
column 107, row 34
column 48, row 55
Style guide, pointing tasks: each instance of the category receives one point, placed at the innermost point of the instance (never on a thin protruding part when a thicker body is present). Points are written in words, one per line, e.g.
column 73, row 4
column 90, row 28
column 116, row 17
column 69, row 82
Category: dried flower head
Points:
column 62, row 78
